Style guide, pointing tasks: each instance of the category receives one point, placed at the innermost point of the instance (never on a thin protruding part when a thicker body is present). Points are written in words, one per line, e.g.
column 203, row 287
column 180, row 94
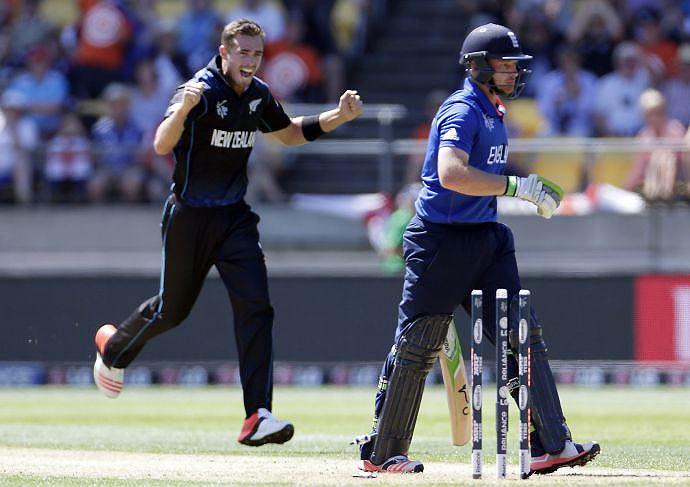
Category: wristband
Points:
column 311, row 128
column 511, row 186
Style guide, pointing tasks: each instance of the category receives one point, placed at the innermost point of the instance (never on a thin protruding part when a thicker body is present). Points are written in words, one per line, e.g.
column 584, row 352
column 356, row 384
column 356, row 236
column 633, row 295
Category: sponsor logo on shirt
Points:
column 239, row 139
column 451, row 134
column 253, row 105
column 221, row 109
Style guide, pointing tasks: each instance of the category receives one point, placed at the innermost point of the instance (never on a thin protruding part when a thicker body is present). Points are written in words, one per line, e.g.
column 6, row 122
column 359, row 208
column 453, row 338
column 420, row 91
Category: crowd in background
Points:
column 600, row 68
column 79, row 103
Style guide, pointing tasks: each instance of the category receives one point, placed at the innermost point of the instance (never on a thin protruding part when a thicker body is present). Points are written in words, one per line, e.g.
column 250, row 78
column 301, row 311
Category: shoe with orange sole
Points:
column 109, row 380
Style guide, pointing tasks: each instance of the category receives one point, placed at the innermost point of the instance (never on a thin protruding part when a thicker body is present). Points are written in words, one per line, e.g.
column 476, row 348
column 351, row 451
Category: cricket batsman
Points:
column 210, row 127
column 453, row 245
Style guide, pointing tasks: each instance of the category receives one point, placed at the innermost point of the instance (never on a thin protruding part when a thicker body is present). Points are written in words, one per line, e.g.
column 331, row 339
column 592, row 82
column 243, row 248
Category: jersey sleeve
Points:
column 458, row 127
column 273, row 116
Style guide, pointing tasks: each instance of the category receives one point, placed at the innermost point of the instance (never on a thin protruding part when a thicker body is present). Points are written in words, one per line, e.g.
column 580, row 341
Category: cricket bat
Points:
column 455, row 380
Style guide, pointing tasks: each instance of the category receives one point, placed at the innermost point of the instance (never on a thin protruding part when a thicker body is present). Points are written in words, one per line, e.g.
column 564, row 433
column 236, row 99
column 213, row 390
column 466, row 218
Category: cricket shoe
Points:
column 262, row 427
column 396, row 464
column 109, row 380
column 573, row 455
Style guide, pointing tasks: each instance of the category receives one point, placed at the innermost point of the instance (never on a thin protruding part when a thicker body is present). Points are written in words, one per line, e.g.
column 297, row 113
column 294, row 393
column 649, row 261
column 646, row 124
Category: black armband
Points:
column 311, row 128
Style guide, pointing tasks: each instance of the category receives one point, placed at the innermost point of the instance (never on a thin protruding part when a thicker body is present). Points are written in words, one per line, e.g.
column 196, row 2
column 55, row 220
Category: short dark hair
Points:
column 239, row 27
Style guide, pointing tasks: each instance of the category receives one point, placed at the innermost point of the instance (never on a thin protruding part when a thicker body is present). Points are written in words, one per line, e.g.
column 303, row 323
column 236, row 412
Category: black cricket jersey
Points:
column 211, row 155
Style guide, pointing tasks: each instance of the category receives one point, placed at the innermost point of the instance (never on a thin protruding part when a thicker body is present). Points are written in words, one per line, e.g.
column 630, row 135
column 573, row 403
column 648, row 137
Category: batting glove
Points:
column 545, row 194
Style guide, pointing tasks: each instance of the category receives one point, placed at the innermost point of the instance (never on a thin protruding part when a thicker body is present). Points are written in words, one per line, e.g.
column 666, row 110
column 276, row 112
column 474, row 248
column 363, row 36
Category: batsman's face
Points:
column 242, row 60
column 505, row 75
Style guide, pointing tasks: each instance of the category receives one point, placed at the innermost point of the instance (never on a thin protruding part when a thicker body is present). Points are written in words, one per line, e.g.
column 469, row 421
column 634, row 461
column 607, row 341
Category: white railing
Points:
column 387, row 149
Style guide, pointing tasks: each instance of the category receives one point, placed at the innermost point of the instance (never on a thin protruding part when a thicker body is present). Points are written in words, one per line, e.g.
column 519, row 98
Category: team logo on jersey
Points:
column 221, row 109
column 451, row 134
column 253, row 105
column 489, row 122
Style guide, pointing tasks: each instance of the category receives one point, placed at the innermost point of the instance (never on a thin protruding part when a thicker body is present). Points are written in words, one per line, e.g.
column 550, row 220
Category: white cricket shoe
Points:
column 574, row 454
column 109, row 380
column 262, row 427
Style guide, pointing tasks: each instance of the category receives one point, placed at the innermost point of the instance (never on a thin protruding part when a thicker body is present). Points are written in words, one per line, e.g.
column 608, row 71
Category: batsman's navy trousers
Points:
column 443, row 264
column 194, row 239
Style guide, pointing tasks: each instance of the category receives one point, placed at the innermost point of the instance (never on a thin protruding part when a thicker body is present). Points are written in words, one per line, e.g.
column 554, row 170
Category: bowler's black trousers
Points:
column 194, row 239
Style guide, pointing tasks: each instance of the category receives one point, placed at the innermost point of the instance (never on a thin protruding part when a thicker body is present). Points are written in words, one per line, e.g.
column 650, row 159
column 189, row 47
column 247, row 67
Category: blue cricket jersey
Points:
column 469, row 121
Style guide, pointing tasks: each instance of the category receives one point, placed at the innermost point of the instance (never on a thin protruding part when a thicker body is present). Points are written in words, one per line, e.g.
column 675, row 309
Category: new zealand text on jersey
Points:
column 239, row 139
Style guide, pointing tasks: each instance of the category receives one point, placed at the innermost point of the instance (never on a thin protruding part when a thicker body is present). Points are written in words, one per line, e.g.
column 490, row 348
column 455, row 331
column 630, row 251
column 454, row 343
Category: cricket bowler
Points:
column 210, row 127
column 454, row 245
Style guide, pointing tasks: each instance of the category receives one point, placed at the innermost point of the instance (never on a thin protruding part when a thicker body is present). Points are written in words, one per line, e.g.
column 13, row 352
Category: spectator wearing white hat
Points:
column 658, row 173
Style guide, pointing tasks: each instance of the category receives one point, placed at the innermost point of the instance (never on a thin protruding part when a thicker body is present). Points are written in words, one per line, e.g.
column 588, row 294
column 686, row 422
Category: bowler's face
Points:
column 243, row 58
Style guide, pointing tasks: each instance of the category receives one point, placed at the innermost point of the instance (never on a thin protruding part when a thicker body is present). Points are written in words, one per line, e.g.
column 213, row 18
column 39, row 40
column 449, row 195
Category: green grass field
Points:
column 186, row 436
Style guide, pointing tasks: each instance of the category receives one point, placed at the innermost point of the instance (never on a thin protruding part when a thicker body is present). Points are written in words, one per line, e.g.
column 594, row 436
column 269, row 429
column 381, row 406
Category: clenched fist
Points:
column 192, row 94
column 350, row 105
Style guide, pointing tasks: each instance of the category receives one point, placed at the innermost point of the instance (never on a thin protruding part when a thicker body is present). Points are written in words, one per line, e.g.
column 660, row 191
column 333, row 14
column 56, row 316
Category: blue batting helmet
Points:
column 492, row 41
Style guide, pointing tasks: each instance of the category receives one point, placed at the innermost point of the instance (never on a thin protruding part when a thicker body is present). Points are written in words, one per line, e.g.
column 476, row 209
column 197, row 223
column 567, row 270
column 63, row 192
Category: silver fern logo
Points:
column 253, row 105
column 221, row 109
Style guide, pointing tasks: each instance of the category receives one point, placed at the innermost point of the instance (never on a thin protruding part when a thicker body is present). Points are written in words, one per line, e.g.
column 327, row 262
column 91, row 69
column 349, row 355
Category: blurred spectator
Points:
column 316, row 17
column 46, row 90
column 145, row 19
column 391, row 246
column 415, row 162
column 117, row 143
column 7, row 69
column 480, row 12
column 652, row 40
column 291, row 68
column 149, row 99
column 559, row 12
column 677, row 89
column 538, row 40
column 349, row 19
column 617, row 112
column 265, row 13
column 565, row 96
column 5, row 15
column 18, row 138
column 103, row 33
column 266, row 162
column 657, row 173
column 196, row 30
column 69, row 162
column 595, row 31
column 355, row 23
column 157, row 171
column 30, row 29
column 171, row 65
